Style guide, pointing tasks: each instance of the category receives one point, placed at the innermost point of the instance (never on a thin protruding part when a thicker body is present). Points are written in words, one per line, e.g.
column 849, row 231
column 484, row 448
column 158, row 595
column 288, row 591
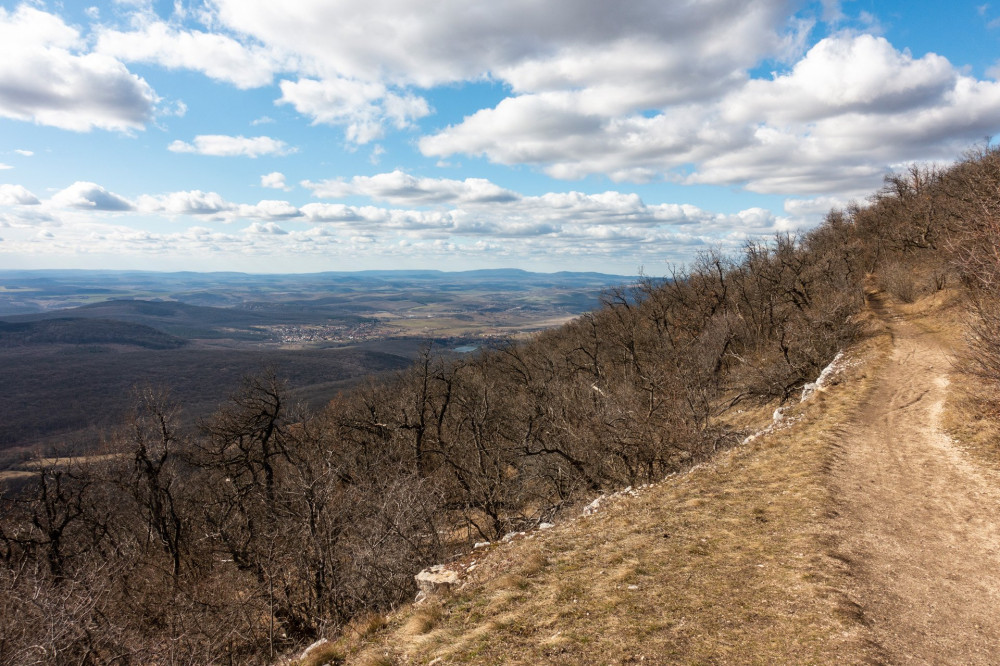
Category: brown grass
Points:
column 732, row 562
column 15, row 475
column 972, row 411
column 329, row 654
column 423, row 620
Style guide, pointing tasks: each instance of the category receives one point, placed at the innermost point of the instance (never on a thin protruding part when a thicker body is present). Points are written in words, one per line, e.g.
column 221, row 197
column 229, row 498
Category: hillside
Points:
column 70, row 364
column 80, row 331
column 66, row 395
column 853, row 531
column 768, row 529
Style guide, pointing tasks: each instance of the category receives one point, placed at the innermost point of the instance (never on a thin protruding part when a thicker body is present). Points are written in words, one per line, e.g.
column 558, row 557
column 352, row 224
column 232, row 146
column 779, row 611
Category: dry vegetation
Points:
column 731, row 562
column 273, row 526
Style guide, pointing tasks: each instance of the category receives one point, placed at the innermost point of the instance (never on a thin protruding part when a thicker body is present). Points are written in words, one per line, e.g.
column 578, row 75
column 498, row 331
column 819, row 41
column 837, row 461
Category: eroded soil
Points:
column 918, row 517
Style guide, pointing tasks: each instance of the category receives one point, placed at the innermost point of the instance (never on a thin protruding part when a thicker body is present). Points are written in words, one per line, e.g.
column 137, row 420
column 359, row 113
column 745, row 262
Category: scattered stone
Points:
column 481, row 544
column 435, row 580
column 593, row 507
column 545, row 526
column 821, row 382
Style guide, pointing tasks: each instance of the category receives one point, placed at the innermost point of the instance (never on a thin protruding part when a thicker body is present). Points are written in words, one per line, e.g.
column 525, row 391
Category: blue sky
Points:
column 319, row 135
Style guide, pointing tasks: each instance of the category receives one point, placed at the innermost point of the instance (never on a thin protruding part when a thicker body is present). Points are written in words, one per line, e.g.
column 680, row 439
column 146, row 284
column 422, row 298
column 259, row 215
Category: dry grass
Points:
column 972, row 412
column 328, row 654
column 15, row 475
column 731, row 562
column 69, row 461
column 972, row 419
column 422, row 620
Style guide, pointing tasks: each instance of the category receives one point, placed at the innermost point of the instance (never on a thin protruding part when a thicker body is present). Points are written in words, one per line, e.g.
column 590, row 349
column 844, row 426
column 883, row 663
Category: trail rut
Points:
column 918, row 518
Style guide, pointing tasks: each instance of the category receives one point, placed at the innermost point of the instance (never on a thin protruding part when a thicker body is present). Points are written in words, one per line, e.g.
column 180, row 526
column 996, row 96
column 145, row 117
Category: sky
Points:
column 548, row 135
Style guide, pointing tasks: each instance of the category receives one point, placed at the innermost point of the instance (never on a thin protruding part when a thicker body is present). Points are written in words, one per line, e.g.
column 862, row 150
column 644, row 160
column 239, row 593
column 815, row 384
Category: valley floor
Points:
column 855, row 532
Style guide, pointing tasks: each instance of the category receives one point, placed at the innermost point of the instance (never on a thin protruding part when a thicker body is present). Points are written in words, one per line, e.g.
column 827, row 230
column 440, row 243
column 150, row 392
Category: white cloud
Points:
column 862, row 74
column 399, row 187
column 402, row 43
column 363, row 107
column 818, row 206
column 266, row 228
column 4, row 167
column 877, row 107
column 17, row 195
column 270, row 210
column 217, row 56
column 558, row 217
column 637, row 92
column 92, row 197
column 317, row 212
column 849, row 108
column 47, row 77
column 560, row 229
column 24, row 153
column 359, row 62
column 194, row 202
column 274, row 180
column 230, row 146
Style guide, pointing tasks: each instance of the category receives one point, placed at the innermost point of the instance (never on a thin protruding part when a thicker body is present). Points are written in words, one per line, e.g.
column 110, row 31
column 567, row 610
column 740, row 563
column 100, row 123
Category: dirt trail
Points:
column 919, row 518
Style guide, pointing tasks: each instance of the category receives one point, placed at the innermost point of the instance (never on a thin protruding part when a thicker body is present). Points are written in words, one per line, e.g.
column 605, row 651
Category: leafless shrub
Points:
column 897, row 279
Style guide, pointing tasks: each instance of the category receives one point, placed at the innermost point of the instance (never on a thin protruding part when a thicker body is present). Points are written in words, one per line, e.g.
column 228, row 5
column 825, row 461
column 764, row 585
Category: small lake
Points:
column 466, row 349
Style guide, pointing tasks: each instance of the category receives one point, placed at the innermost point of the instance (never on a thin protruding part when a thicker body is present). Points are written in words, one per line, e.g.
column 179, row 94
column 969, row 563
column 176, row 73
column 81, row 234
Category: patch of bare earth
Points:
column 729, row 563
column 918, row 515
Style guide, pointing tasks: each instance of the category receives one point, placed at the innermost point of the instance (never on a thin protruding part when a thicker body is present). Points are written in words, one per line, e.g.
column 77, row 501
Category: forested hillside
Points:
column 273, row 526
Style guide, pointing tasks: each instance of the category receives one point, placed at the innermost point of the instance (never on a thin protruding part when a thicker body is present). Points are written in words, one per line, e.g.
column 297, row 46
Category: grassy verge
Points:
column 972, row 410
column 732, row 562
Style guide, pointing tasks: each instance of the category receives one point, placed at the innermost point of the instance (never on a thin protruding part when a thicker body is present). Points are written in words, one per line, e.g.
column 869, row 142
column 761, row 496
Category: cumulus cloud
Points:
column 851, row 106
column 219, row 57
column 270, row 210
column 401, row 188
column 480, row 209
column 559, row 228
column 363, row 107
column 231, row 146
column 24, row 153
column 266, row 228
column 274, row 180
column 878, row 107
column 359, row 62
column 193, row 202
column 818, row 206
column 637, row 93
column 402, row 43
column 48, row 77
column 17, row 195
column 92, row 197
